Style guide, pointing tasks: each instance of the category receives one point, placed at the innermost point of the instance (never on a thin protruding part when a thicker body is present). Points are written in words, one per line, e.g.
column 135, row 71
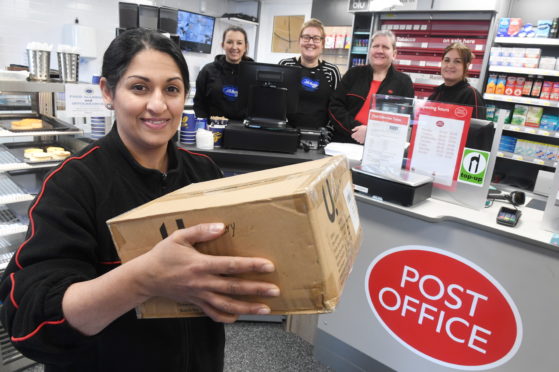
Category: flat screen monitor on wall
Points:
column 195, row 31
column 148, row 17
column 270, row 92
column 168, row 20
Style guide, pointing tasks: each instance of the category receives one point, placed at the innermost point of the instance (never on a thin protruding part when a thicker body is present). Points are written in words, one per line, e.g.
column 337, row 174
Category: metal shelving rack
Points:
column 13, row 225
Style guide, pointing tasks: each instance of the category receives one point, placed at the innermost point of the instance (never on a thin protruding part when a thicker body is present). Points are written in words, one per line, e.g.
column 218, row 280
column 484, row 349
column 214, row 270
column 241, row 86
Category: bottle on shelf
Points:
column 527, row 88
column 537, row 88
column 553, row 33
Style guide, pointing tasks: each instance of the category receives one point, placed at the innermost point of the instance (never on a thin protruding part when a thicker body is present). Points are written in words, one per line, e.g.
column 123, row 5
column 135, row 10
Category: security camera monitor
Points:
column 480, row 134
column 195, row 31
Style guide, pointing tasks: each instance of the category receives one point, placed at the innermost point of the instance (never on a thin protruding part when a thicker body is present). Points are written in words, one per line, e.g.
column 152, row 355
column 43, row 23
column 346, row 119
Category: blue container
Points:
column 201, row 123
column 188, row 121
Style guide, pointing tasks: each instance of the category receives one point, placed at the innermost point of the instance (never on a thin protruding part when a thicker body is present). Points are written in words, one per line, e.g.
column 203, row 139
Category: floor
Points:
column 259, row 346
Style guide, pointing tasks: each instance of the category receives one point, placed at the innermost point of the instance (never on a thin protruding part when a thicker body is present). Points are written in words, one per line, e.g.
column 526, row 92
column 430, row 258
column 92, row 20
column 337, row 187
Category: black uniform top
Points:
column 317, row 85
column 217, row 90
column 68, row 241
column 461, row 93
column 352, row 92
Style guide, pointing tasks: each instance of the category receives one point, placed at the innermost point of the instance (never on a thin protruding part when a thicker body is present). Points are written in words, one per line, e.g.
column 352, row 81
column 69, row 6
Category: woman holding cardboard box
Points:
column 68, row 301
column 454, row 70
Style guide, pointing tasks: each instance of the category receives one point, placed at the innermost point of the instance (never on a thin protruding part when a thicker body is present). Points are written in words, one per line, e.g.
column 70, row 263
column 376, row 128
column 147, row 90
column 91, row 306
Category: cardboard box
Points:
column 302, row 217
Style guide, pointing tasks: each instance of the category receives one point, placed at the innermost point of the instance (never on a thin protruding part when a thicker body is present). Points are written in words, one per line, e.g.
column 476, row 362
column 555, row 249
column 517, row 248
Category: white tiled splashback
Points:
column 23, row 21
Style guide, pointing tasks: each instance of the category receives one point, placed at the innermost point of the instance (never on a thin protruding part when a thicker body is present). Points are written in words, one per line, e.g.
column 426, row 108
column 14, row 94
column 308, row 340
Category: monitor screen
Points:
column 480, row 134
column 195, row 31
column 168, row 20
column 127, row 15
column 269, row 91
column 148, row 17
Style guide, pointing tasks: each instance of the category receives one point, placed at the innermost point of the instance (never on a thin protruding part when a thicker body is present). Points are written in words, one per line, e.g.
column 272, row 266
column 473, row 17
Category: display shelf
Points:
column 359, row 50
column 526, row 159
column 30, row 86
column 523, row 100
column 530, row 130
column 527, row 41
column 361, row 33
column 11, row 193
column 239, row 20
column 10, row 224
column 72, row 132
column 523, row 70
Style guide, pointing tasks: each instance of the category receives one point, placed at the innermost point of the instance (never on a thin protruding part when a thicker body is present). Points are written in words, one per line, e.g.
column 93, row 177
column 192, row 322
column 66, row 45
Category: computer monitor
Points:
column 168, row 18
column 195, row 31
column 127, row 15
column 480, row 134
column 270, row 92
column 148, row 17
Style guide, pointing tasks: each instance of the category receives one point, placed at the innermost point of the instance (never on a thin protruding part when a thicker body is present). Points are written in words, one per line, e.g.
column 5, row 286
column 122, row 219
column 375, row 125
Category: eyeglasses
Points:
column 315, row 39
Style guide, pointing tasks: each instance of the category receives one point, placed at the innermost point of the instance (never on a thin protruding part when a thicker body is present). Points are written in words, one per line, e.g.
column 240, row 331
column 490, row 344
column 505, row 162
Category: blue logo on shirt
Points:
column 309, row 84
column 230, row 92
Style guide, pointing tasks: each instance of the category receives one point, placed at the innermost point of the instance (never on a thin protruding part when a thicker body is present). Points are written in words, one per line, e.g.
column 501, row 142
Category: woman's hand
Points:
column 176, row 270
column 359, row 133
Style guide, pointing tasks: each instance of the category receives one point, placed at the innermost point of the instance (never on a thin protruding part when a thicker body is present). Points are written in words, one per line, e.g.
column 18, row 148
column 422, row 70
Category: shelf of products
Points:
column 421, row 38
column 523, row 80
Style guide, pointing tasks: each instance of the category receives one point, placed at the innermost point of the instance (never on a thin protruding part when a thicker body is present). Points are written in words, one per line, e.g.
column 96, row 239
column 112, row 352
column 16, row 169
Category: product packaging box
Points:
column 534, row 116
column 544, row 27
column 519, row 114
column 503, row 28
column 302, row 217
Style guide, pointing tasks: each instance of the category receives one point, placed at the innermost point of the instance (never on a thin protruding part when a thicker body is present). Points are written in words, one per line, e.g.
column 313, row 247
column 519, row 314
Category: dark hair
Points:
column 125, row 46
column 465, row 54
column 238, row 29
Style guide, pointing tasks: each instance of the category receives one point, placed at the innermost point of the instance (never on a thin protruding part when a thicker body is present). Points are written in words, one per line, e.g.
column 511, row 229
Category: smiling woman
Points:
column 67, row 300
column 350, row 103
column 217, row 84
column 456, row 61
column 318, row 78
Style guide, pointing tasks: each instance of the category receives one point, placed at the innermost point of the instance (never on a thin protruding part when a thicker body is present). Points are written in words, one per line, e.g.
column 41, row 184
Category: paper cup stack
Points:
column 187, row 133
column 97, row 127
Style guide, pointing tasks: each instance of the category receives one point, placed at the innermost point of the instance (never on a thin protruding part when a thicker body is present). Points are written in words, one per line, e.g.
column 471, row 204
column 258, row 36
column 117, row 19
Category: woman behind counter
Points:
column 318, row 78
column 350, row 103
column 454, row 69
column 67, row 300
column 217, row 85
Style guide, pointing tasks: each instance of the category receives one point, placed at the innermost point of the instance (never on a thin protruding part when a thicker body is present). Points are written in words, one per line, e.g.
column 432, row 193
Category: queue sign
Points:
column 443, row 307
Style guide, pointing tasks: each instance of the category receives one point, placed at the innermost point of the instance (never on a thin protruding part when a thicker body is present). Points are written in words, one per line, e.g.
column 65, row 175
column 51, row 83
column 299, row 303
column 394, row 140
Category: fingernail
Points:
column 216, row 227
column 268, row 268
column 273, row 292
column 263, row 311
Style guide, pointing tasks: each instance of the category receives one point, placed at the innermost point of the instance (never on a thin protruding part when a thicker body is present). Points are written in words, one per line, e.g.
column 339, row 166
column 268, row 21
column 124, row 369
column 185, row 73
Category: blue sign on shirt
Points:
column 230, row 92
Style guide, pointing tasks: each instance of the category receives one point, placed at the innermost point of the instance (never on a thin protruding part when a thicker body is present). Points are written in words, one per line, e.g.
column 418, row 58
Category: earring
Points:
column 109, row 106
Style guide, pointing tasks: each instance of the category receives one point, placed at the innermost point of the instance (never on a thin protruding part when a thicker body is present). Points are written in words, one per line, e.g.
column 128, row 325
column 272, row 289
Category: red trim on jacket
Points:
column 31, row 221
column 55, row 322
column 110, row 262
column 194, row 153
column 338, row 122
column 12, row 298
column 356, row 95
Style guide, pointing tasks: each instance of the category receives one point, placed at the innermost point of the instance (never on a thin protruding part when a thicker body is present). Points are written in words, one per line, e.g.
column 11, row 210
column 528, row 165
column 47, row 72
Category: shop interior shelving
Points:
column 421, row 38
column 512, row 168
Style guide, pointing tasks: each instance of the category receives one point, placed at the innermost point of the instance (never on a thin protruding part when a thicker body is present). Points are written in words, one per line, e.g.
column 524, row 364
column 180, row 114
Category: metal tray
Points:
column 49, row 123
column 18, row 148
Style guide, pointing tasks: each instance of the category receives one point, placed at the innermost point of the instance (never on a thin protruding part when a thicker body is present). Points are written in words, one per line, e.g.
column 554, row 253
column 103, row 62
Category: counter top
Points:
column 528, row 228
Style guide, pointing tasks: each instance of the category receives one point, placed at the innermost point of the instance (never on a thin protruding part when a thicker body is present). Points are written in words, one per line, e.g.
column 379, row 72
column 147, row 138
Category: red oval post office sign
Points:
column 443, row 307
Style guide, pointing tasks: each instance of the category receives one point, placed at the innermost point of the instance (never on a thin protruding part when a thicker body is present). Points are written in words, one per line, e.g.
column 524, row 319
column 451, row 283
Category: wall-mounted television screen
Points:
column 195, row 31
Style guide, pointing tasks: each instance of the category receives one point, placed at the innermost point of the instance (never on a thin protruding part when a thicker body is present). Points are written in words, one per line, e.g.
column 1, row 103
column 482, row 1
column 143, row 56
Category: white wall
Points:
column 269, row 9
column 23, row 21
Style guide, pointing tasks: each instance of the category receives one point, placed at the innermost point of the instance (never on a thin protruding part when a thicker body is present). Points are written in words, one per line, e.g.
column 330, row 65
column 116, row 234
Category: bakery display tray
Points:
column 17, row 150
column 49, row 123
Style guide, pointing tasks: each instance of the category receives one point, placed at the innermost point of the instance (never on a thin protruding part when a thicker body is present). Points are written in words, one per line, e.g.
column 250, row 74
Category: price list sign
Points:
column 438, row 141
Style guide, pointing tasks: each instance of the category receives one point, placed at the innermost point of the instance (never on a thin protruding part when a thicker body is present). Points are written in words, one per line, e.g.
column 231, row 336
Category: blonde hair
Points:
column 389, row 34
column 465, row 54
column 316, row 23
